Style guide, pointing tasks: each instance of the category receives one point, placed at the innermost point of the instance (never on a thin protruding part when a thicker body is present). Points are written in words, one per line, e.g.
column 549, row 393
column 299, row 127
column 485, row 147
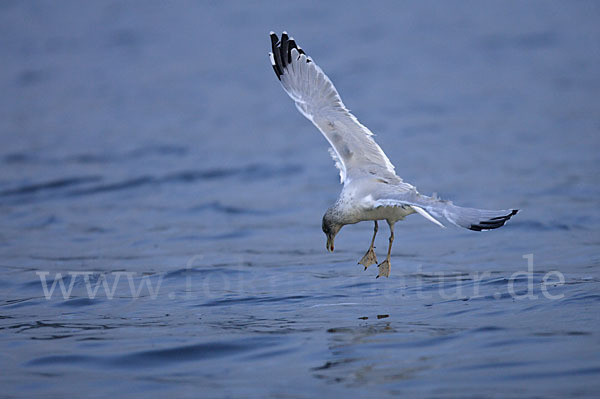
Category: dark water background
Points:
column 151, row 141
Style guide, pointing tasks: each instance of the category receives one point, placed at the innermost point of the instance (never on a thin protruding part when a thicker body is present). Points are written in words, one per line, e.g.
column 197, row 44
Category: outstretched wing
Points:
column 353, row 148
column 434, row 209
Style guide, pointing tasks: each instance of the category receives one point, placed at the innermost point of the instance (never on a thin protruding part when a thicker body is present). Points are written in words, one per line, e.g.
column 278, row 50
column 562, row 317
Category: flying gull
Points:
column 372, row 190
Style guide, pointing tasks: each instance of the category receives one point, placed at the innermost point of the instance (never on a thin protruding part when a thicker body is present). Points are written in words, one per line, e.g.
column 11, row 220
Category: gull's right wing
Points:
column 353, row 148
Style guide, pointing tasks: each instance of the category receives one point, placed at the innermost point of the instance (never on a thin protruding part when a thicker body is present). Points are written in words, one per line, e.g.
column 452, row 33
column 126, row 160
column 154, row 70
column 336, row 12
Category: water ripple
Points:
column 49, row 185
column 61, row 187
column 255, row 299
column 187, row 353
column 164, row 356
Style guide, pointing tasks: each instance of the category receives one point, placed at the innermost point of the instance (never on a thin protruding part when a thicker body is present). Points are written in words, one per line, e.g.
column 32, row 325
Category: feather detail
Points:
column 426, row 215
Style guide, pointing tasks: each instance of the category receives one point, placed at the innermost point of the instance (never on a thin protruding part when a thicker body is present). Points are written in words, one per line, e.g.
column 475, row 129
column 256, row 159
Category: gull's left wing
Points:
column 353, row 147
column 435, row 208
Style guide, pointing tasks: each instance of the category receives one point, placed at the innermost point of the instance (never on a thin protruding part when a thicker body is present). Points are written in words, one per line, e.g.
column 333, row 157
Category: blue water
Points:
column 147, row 150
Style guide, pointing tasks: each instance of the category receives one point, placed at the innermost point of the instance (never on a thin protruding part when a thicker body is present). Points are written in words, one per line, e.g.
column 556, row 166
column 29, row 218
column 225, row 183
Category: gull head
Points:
column 330, row 227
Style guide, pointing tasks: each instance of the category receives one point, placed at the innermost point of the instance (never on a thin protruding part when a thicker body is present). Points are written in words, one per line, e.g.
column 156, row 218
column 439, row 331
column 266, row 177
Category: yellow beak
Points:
column 330, row 243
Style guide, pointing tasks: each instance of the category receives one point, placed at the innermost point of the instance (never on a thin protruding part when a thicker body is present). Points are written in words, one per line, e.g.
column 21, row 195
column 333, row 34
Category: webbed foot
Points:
column 384, row 268
column 369, row 258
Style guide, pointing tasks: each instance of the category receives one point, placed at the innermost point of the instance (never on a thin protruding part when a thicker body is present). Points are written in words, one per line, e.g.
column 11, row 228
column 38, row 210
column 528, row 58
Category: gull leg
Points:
column 384, row 267
column 370, row 258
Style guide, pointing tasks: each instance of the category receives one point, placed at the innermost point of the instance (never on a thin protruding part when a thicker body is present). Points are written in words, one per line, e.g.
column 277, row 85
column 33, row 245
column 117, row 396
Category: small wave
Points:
column 252, row 172
column 18, row 158
column 319, row 305
column 73, row 360
column 160, row 357
column 216, row 206
column 188, row 272
column 365, row 284
column 487, row 329
column 79, row 302
column 49, row 185
column 127, row 184
column 255, row 299
column 98, row 158
column 62, row 187
column 591, row 298
column 17, row 303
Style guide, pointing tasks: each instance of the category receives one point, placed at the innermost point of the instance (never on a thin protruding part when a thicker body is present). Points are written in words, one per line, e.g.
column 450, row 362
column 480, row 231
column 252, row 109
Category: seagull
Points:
column 372, row 191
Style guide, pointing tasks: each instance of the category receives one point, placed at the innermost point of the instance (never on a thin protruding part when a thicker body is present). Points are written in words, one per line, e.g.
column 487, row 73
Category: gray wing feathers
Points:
column 478, row 219
column 317, row 99
column 469, row 218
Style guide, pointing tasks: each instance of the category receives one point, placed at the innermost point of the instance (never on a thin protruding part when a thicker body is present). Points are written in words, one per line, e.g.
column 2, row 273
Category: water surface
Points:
column 148, row 149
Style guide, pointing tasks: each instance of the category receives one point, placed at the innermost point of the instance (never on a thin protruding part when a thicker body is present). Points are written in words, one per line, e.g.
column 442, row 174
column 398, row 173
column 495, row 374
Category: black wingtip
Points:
column 274, row 39
column 281, row 52
column 275, row 55
column 493, row 223
column 291, row 45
